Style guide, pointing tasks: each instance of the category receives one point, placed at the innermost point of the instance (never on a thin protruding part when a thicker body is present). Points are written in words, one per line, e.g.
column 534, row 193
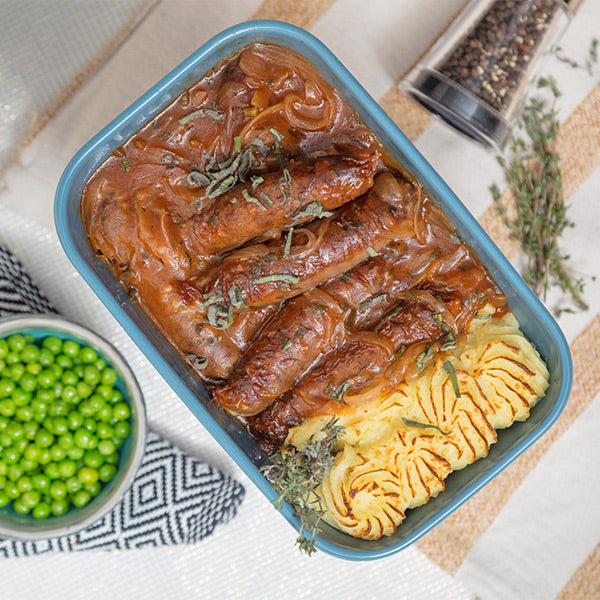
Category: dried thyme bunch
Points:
column 296, row 475
column 535, row 181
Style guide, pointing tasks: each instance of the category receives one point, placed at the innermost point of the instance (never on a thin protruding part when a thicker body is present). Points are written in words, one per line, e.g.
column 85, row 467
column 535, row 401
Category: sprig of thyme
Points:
column 296, row 474
column 535, row 182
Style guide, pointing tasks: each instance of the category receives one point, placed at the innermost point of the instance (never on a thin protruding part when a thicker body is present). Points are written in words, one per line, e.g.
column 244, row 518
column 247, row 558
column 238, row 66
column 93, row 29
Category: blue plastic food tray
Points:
column 535, row 320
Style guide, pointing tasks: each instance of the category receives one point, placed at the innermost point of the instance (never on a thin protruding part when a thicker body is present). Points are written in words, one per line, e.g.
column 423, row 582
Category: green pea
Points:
column 64, row 361
column 7, row 407
column 30, row 428
column 67, row 468
column 106, row 447
column 40, row 482
column 51, row 470
column 4, row 499
column 69, row 394
column 31, row 498
column 58, row 490
column 24, row 413
column 87, row 475
column 24, row 484
column 30, row 354
column 84, row 389
column 15, row 430
column 45, row 457
column 43, row 438
column 75, row 420
column 53, row 344
column 41, row 511
column 91, row 375
column 104, row 431
column 57, row 453
column 16, row 371
column 75, row 453
column 19, row 507
column 14, row 472
column 11, row 490
column 121, row 411
column 87, row 355
column 11, row 358
column 22, row 397
column 46, row 378
column 59, row 506
column 46, row 358
column 10, row 456
column 71, row 348
column 7, row 387
column 106, row 472
column 16, row 342
column 93, row 459
column 90, row 424
column 61, row 425
column 73, row 485
column 34, row 368
column 105, row 413
column 81, row 498
column 3, row 348
column 27, row 465
column 93, row 489
column 65, row 441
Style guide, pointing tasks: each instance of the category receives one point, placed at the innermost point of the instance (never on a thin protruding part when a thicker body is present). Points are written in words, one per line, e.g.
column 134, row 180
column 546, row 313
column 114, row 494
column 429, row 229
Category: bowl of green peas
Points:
column 72, row 427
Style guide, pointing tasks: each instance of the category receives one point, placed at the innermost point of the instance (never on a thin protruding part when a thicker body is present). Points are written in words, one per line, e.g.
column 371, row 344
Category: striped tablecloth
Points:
column 533, row 532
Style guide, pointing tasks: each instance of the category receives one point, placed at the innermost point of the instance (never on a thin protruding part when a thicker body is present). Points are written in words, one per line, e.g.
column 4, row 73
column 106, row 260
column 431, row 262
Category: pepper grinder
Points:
column 477, row 75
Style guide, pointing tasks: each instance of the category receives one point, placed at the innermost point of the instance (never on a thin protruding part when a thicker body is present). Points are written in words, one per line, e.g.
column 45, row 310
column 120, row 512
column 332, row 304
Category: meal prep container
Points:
column 537, row 324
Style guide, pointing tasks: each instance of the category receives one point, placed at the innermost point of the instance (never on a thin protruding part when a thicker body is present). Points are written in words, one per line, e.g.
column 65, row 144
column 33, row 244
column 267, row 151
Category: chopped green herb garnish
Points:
column 218, row 187
column 372, row 252
column 212, row 298
column 276, row 277
column 340, row 390
column 312, row 209
column 423, row 358
column 288, row 242
column 197, row 204
column 286, row 344
column 213, row 218
column 266, row 198
column 262, row 147
column 235, row 297
column 372, row 301
column 220, row 317
column 448, row 345
column 256, row 181
column 125, row 164
column 237, row 143
column 277, row 136
column 213, row 114
column 199, row 363
column 249, row 198
column 419, row 425
column 285, row 184
column 449, row 368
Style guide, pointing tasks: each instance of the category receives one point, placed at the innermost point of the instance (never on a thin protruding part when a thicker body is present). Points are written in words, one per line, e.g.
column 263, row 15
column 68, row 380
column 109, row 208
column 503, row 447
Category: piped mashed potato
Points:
column 396, row 451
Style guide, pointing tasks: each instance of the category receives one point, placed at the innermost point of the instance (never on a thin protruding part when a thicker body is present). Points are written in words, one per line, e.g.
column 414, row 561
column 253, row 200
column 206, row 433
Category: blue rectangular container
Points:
column 536, row 322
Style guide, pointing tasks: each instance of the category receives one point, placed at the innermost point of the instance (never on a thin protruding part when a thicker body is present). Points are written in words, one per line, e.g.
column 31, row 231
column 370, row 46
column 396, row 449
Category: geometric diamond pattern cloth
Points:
column 174, row 499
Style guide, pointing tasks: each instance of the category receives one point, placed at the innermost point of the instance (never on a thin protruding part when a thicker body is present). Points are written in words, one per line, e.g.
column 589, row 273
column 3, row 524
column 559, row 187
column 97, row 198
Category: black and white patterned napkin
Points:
column 174, row 499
